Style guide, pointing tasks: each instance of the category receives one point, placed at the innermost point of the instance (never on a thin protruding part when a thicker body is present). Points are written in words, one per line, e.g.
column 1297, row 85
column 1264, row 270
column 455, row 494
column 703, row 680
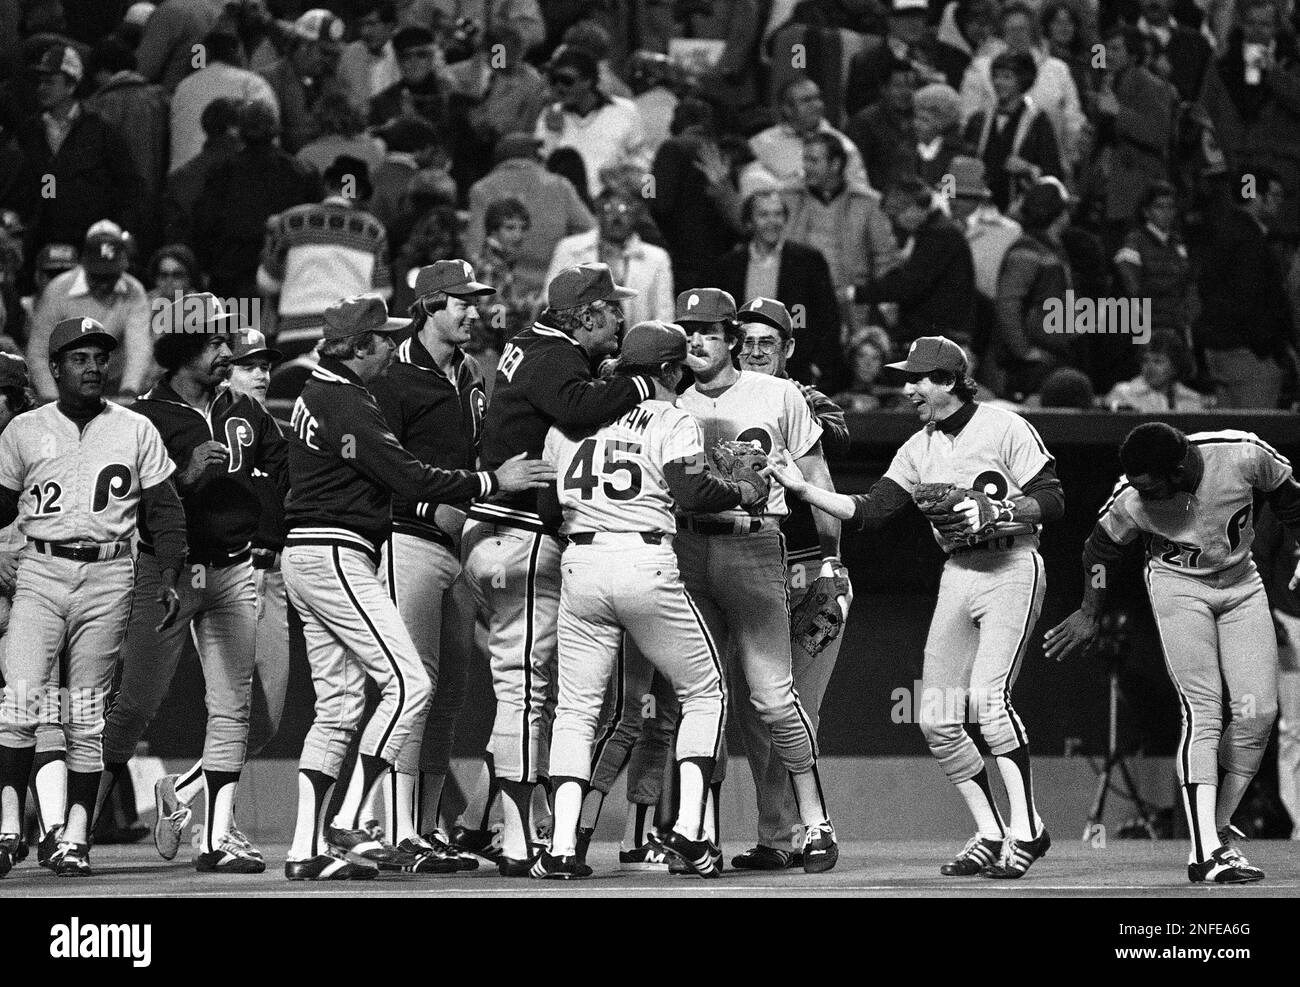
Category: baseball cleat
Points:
column 49, row 843
column 8, row 852
column 1230, row 835
column 514, row 867
column 480, row 842
column 173, row 815
column 585, row 833
column 647, row 857
column 978, row 853
column 71, row 860
column 326, row 867
column 820, row 851
column 466, row 861
column 23, row 849
column 767, row 858
column 360, row 847
column 428, row 858
column 549, row 868
column 228, row 857
column 374, row 829
column 701, row 856
column 243, row 842
column 1227, row 865
column 1017, row 856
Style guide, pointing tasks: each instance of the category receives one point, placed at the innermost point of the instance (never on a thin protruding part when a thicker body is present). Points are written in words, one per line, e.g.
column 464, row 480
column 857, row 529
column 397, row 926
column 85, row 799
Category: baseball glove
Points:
column 817, row 620
column 740, row 463
column 960, row 515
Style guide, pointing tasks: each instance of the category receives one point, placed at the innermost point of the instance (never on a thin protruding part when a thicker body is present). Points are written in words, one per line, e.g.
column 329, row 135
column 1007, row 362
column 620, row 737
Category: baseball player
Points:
column 1004, row 486
column 345, row 467
column 49, row 785
column 250, row 371
column 733, row 562
column 216, row 438
column 76, row 473
column 512, row 559
column 767, row 334
column 618, row 486
column 1192, row 498
column 433, row 400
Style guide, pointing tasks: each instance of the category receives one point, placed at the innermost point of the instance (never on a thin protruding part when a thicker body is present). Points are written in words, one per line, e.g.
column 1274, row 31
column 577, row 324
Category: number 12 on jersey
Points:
column 581, row 473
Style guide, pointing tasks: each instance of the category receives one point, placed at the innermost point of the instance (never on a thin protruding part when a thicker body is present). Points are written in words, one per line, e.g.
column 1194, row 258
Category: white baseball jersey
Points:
column 1212, row 528
column 613, row 479
column 770, row 411
column 996, row 452
column 81, row 486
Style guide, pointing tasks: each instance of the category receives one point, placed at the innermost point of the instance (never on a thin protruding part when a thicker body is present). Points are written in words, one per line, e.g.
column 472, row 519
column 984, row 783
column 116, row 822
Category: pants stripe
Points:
column 717, row 667
column 530, row 630
column 1189, row 716
column 383, row 647
column 620, row 709
column 1019, row 657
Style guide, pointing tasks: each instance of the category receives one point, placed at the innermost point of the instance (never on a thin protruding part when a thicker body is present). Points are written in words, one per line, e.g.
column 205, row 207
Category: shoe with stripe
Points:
column 49, row 843
column 1227, row 865
column 228, row 857
column 1017, row 857
column 464, row 861
column 71, row 860
column 820, row 851
column 244, row 843
column 767, row 858
column 700, row 856
column 480, row 842
column 8, row 852
column 514, row 867
column 360, row 847
column 647, row 857
column 327, row 867
column 173, row 816
column 978, row 853
column 428, row 858
column 551, row 868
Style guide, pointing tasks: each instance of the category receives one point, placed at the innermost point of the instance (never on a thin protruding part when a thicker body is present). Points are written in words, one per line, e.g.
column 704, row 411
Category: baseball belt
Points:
column 210, row 561
column 98, row 552
column 713, row 526
column 589, row 537
column 1001, row 544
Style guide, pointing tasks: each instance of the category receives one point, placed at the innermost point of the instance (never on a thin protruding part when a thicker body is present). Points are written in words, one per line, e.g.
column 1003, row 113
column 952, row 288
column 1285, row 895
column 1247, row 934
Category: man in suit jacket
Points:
column 1178, row 53
column 770, row 266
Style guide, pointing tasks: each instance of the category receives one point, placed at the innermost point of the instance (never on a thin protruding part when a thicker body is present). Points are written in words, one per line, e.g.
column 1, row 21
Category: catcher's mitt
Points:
column 740, row 463
column 817, row 620
column 960, row 515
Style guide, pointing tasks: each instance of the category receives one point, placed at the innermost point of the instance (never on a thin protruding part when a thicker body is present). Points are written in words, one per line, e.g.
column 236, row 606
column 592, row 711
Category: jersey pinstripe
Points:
column 1212, row 528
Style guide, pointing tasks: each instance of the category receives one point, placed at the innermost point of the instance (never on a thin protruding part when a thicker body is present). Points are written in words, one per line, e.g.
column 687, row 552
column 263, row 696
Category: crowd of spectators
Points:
column 1099, row 200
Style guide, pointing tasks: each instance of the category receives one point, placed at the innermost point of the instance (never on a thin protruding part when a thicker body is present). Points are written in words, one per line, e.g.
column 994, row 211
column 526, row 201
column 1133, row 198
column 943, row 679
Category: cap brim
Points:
column 619, row 293
column 473, row 288
column 748, row 315
column 275, row 356
column 393, row 325
column 90, row 339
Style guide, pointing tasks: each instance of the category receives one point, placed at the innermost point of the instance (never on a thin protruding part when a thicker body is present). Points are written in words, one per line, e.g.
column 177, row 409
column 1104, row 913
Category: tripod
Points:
column 1113, row 642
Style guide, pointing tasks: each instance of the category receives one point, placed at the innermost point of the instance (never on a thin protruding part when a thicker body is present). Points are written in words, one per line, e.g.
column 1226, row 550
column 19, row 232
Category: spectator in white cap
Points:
column 223, row 75
column 166, row 52
column 306, row 72
column 71, row 150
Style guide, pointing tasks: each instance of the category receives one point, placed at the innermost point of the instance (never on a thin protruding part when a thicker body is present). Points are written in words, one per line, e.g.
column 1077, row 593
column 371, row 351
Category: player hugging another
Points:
column 986, row 483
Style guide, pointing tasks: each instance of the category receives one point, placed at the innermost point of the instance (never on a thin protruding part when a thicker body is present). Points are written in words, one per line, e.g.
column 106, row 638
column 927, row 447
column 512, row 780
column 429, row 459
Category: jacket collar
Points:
column 336, row 372
column 541, row 328
column 955, row 422
column 413, row 352
column 163, row 391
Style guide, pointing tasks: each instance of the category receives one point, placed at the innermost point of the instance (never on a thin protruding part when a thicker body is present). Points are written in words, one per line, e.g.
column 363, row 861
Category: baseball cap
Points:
column 104, row 253
column 705, row 305
column 909, row 6
column 318, row 25
column 583, row 285
column 80, row 331
column 929, row 353
column 248, row 344
column 358, row 314
column 57, row 257
column 454, row 277
column 651, row 343
column 61, row 58
column 770, row 312
column 13, row 371
column 1044, row 201
column 139, row 14
column 968, row 178
column 198, row 311
column 412, row 36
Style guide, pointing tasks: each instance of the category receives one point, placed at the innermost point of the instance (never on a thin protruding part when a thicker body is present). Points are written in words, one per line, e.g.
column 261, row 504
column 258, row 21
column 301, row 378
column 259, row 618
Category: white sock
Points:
column 9, row 815
column 690, row 799
column 568, row 807
column 980, row 801
column 311, row 805
column 592, row 803
column 1199, row 803
column 430, row 801
column 77, row 827
column 1232, row 788
column 808, row 796
column 1023, row 826
column 539, row 810
column 710, row 827
column 350, row 811
column 190, row 784
column 478, row 800
column 220, row 809
column 400, row 817
column 515, row 799
column 51, row 785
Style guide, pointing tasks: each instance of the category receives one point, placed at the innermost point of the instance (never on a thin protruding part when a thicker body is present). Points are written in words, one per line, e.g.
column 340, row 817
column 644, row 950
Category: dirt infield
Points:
column 896, row 869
